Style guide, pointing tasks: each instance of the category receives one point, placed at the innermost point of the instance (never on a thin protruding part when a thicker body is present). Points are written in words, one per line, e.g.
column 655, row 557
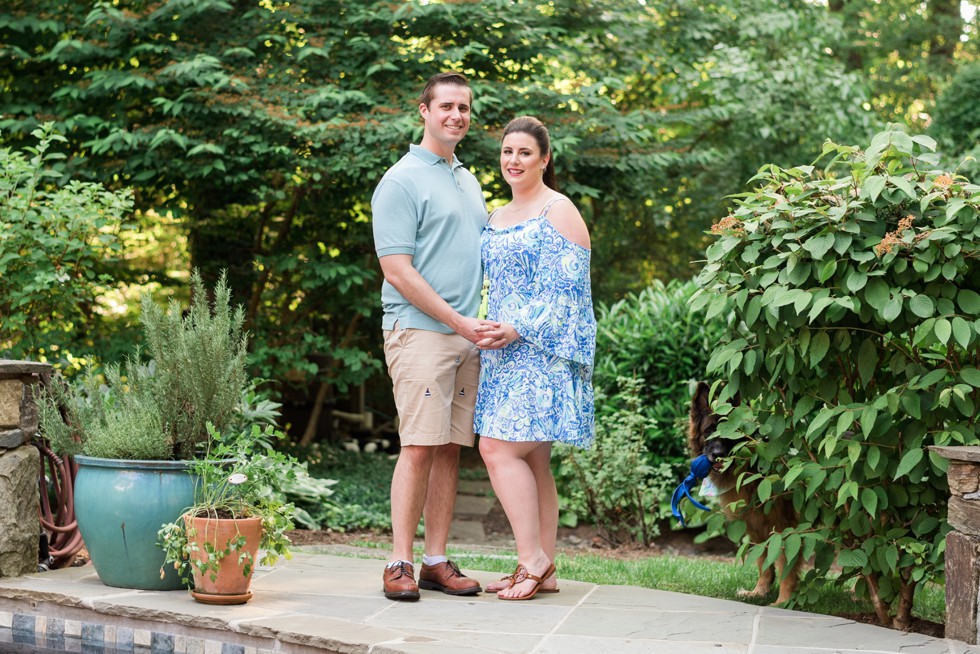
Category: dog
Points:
column 759, row 524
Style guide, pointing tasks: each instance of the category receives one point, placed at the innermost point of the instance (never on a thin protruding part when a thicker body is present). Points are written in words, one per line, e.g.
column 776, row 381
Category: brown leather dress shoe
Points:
column 446, row 577
column 399, row 582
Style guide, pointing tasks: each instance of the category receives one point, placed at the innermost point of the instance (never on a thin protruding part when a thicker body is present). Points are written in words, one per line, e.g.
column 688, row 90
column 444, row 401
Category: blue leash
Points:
column 700, row 468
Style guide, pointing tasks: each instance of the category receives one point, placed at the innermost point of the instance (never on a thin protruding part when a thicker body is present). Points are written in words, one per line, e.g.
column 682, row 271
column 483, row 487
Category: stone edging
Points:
column 76, row 636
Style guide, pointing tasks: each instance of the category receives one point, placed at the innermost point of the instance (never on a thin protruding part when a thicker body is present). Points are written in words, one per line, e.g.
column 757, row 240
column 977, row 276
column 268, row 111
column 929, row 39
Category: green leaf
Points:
column 873, row 187
column 922, row 306
column 827, row 270
column 893, row 309
column 823, row 417
column 962, row 332
column 791, row 547
column 867, row 361
column 869, row 501
column 819, row 346
column 818, row 246
column 908, row 462
column 764, row 490
column 868, row 418
column 856, row 281
column 930, row 378
column 903, row 184
column 876, row 293
column 874, row 457
column 852, row 559
column 969, row 301
column 943, row 330
column 912, row 405
column 818, row 307
column 953, row 207
column 971, row 376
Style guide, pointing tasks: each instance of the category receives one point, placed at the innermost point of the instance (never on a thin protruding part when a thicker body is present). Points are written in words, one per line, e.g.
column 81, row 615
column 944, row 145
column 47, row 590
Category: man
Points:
column 428, row 213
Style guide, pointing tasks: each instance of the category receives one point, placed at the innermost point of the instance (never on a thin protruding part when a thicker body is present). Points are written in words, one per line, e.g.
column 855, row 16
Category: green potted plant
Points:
column 238, row 509
column 135, row 434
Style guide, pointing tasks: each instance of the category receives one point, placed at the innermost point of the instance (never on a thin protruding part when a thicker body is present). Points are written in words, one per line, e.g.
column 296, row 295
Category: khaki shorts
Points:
column 435, row 377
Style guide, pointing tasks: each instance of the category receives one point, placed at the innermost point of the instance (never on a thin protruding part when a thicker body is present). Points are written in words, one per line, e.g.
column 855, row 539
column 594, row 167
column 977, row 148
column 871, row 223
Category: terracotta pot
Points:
column 231, row 585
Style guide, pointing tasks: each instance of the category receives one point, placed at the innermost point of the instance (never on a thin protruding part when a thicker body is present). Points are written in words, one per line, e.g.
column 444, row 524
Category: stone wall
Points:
column 20, row 524
column 963, row 542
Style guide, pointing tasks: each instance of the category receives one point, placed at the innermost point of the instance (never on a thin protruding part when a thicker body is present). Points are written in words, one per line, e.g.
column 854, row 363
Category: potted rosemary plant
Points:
column 135, row 434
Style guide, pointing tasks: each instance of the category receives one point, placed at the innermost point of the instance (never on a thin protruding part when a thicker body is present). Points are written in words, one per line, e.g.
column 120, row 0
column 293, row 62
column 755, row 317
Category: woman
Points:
column 536, row 366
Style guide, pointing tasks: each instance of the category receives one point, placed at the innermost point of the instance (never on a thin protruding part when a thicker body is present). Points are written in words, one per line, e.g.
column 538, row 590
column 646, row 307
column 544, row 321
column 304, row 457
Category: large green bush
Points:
column 856, row 346
column 654, row 337
column 56, row 242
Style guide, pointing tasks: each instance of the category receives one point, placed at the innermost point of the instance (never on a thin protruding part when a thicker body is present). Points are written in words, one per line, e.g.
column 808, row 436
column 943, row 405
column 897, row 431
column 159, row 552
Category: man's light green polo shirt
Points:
column 435, row 212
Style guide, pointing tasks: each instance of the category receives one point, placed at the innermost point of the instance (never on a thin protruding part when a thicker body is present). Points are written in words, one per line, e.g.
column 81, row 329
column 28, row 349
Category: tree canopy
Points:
column 262, row 127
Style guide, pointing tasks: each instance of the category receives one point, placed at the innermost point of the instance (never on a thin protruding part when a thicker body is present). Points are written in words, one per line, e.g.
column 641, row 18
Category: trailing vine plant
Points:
column 856, row 344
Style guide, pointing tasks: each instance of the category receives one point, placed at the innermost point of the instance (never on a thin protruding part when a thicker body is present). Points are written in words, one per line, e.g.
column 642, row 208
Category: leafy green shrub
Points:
column 55, row 244
column 361, row 498
column 614, row 485
column 653, row 336
column 956, row 123
column 856, row 346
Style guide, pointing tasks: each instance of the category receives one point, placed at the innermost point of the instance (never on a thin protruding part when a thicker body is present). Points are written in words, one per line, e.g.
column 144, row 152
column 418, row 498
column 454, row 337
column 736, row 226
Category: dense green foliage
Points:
column 198, row 359
column 256, row 132
column 361, row 498
column 244, row 123
column 653, row 337
column 58, row 247
column 957, row 123
column 614, row 485
column 855, row 347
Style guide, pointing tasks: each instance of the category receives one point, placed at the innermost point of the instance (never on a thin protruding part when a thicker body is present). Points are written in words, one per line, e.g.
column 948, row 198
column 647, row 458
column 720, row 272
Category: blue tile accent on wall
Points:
column 161, row 643
column 23, row 623
column 124, row 640
column 22, row 628
column 54, row 634
column 93, row 634
column 56, row 627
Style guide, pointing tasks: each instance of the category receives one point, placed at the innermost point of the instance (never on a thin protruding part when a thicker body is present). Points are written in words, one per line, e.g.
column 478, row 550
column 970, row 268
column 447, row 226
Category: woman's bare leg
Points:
column 512, row 468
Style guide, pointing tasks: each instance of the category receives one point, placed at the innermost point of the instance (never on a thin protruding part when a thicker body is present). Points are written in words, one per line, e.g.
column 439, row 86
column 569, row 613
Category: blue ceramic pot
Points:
column 120, row 505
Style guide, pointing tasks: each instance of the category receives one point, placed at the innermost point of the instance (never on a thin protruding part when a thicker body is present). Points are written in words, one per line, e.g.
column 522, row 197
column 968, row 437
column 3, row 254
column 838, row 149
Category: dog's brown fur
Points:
column 759, row 524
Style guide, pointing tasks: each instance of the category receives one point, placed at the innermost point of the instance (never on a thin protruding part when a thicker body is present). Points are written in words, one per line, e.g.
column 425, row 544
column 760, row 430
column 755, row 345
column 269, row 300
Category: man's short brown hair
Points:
column 457, row 79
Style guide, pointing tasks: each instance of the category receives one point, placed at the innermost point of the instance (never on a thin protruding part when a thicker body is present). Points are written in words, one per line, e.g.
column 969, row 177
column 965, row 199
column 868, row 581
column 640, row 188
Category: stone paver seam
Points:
column 561, row 622
column 756, row 621
column 388, row 607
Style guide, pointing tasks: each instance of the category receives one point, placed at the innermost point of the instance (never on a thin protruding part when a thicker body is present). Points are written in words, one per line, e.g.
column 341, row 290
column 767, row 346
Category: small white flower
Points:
column 237, row 478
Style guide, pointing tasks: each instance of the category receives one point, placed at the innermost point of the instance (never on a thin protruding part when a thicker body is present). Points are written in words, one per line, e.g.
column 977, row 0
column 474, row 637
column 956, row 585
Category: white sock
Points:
column 433, row 560
column 392, row 564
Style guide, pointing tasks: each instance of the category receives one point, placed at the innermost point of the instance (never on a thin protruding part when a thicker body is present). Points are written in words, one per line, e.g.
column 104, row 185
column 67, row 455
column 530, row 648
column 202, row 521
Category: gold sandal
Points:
column 522, row 574
column 510, row 582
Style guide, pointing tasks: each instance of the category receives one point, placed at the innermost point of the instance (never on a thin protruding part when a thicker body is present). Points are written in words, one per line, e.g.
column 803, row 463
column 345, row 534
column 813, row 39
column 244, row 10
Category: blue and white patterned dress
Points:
column 538, row 388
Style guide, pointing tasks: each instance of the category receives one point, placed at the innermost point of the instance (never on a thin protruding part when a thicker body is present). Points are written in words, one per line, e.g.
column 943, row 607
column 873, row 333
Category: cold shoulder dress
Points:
column 538, row 388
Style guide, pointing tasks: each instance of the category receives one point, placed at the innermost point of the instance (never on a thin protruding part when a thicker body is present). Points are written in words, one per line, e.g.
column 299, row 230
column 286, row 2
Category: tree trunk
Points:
column 311, row 425
column 849, row 54
column 903, row 617
column 881, row 609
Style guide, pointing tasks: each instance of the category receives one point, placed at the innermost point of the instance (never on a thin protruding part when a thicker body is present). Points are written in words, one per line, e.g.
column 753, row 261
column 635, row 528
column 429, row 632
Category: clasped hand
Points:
column 495, row 335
